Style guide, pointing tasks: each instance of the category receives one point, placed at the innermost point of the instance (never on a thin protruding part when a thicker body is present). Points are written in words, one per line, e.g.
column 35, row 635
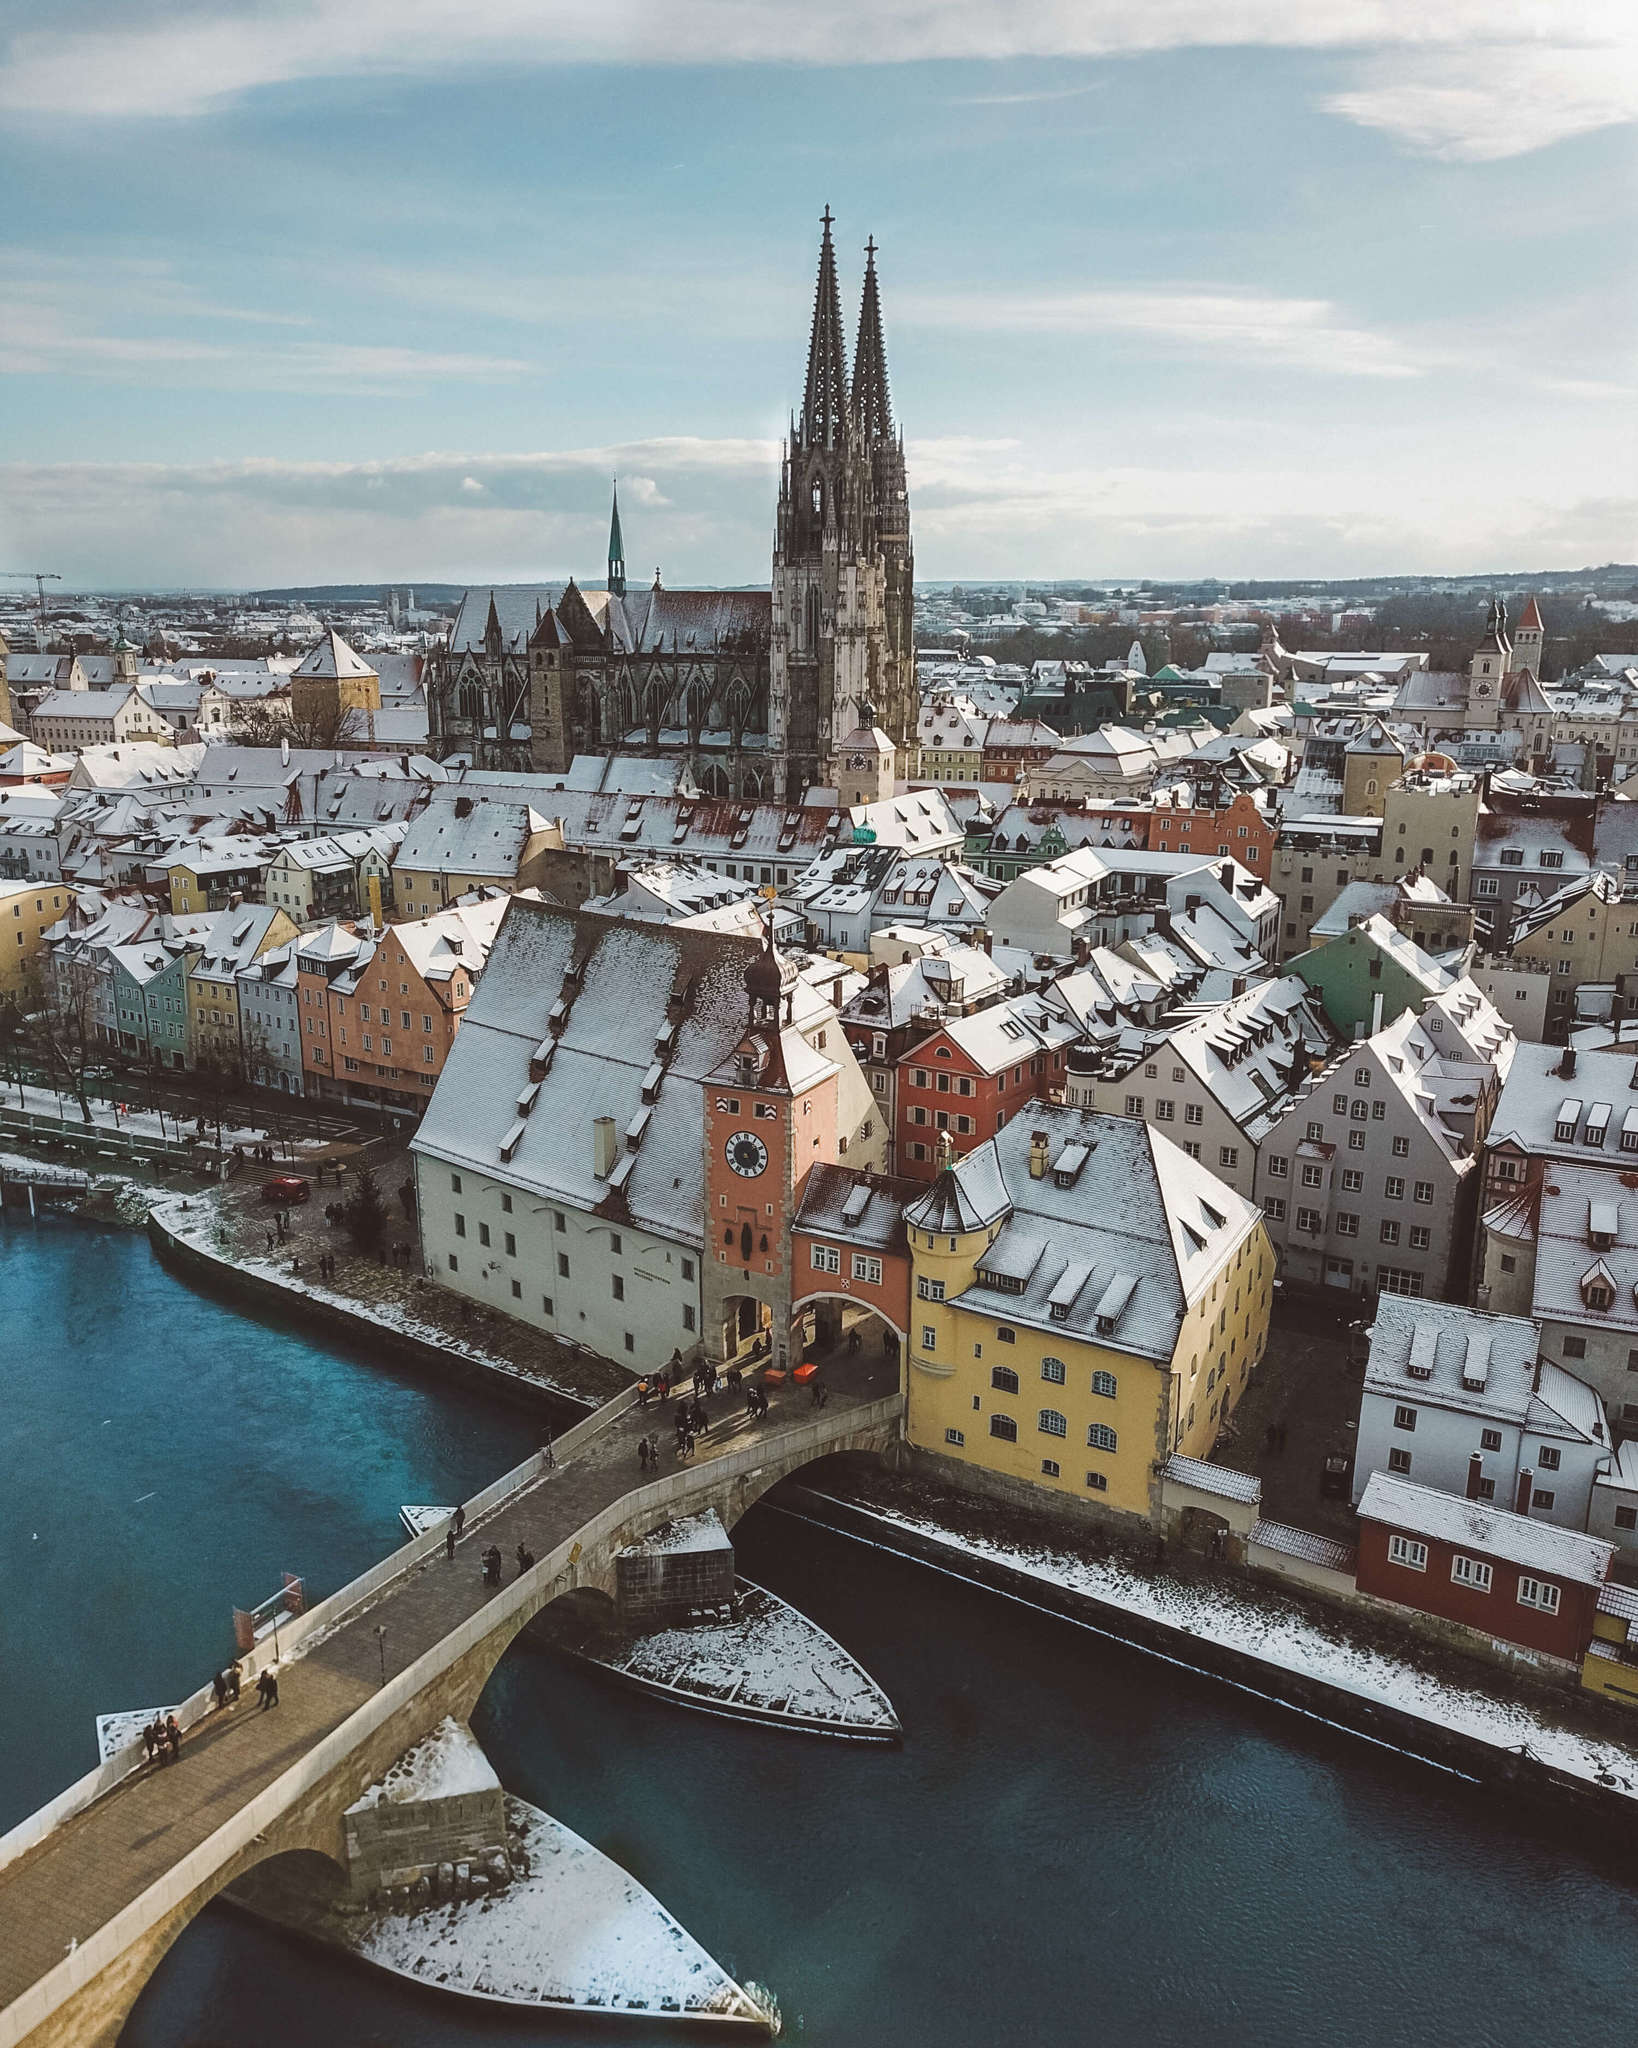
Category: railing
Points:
column 301, row 1627
column 200, row 1865
column 101, row 1137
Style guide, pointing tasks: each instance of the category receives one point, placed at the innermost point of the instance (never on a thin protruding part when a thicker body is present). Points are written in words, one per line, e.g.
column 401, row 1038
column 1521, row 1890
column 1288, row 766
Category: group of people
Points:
column 162, row 1739
column 492, row 1563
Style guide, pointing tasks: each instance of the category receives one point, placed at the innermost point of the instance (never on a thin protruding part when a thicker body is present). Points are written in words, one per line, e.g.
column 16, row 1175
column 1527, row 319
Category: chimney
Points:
column 1521, row 1499
column 236, row 898
column 1475, row 1472
column 604, row 1150
column 1037, row 1155
column 1566, row 1066
column 284, row 753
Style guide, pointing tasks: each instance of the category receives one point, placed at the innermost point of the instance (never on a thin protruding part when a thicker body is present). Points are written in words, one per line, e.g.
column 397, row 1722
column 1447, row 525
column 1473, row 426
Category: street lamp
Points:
column 381, row 1645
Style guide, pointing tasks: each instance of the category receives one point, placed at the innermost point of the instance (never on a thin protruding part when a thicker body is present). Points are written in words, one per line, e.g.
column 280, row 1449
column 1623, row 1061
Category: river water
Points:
column 1076, row 1842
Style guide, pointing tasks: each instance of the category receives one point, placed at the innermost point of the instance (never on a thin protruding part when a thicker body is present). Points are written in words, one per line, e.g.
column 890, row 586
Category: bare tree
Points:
column 62, row 1036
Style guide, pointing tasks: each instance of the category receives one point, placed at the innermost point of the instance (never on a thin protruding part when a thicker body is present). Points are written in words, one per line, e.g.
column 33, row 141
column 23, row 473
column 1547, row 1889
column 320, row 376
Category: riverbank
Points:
column 1260, row 1640
column 191, row 1236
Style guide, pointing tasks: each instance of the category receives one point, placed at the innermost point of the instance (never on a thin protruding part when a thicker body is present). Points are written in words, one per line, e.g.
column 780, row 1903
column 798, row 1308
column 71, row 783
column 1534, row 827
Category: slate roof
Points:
column 331, row 657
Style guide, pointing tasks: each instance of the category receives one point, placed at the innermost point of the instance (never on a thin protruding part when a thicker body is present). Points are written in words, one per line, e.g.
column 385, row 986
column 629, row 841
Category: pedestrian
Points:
column 818, row 1392
column 642, row 1393
column 150, row 1739
column 219, row 1686
column 270, row 1240
column 449, row 1540
column 173, row 1735
column 654, row 1454
column 267, row 1687
column 642, row 1452
column 492, row 1566
column 234, row 1677
column 295, row 1265
column 460, row 1520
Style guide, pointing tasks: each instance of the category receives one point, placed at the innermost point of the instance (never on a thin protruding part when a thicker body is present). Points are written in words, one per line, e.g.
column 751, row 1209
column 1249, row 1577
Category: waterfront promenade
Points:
column 91, row 1905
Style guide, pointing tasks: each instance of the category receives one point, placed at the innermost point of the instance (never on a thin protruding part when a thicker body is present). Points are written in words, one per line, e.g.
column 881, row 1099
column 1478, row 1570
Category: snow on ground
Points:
column 578, row 1931
column 139, row 1123
column 18, row 1165
column 703, row 1531
column 447, row 1764
column 1219, row 1613
column 772, row 1660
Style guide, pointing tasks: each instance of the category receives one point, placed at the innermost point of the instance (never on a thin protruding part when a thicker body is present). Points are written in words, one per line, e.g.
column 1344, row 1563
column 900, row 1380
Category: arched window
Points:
column 728, row 1235
column 1003, row 1379
column 817, row 498
column 1004, row 1427
column 813, row 616
column 1052, row 1423
column 1100, row 1437
column 1104, row 1383
column 745, row 1240
column 1053, row 1369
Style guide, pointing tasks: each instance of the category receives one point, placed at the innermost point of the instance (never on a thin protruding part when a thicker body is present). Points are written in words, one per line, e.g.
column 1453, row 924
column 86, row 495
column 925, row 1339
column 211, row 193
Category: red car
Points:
column 287, row 1187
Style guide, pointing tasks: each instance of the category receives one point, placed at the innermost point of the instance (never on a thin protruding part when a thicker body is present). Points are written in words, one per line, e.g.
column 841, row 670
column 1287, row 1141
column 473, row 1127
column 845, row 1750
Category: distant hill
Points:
column 358, row 593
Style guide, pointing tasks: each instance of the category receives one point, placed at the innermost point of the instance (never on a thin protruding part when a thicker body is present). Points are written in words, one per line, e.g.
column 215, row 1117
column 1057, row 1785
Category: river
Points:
column 1076, row 1842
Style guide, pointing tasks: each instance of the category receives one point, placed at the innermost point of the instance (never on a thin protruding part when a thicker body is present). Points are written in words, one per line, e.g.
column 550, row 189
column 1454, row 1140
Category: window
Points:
column 1339, row 1105
column 558, row 1223
column 688, row 1269
column 517, row 1290
column 1053, row 1369
column 1165, row 1111
column 1547, row 1458
column 1356, row 1141
column 1049, row 1468
column 1278, row 1168
column 826, row 1259
column 1353, row 1181
column 1401, row 1148
column 1100, row 1437
column 929, row 1337
column 1421, row 1237
column 955, row 1436
column 1098, row 1481
column 1472, row 1572
column 1423, row 1192
column 1134, row 1105
column 1407, row 1551
column 506, row 1205
column 1390, row 1231
column 1404, row 1418
column 1399, row 1460
column 1575, row 1347
column 563, row 1265
column 454, row 1263
column 1104, row 1383
column 1312, row 1176
column 1005, row 1428
column 929, row 1290
column 1394, row 1188
column 1003, row 1379
column 1193, row 1113
column 1228, row 1156
column 1538, row 1593
column 546, row 1307
column 455, row 1183
column 1347, row 1223
column 1361, row 1110
column 867, row 1269
column 460, row 1225
column 688, row 1316
column 1274, row 1208
column 1543, row 1497
column 1626, row 1518
column 511, row 1246
column 1005, row 1336
column 1051, row 1423
column 617, row 1287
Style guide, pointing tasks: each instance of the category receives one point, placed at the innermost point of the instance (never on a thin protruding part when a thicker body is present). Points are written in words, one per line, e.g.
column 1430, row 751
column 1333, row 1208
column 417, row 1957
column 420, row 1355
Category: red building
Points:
column 1502, row 1574
column 849, row 1247
column 1240, row 829
column 972, row 1075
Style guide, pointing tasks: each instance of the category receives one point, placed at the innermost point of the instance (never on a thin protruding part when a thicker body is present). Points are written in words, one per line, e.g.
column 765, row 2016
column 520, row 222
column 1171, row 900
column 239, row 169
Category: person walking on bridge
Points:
column 150, row 1738
column 173, row 1735
column 219, row 1686
column 267, row 1686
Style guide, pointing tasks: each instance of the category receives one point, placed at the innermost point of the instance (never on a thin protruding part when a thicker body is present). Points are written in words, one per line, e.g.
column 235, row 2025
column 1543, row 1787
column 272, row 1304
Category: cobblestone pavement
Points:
column 101, row 1860
column 1308, row 1385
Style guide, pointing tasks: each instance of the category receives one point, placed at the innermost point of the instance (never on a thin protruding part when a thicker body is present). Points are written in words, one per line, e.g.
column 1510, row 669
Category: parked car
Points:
column 285, row 1188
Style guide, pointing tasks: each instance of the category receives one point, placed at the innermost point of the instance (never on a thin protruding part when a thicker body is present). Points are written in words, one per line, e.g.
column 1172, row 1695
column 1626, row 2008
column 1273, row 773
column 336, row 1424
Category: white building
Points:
column 1464, row 1402
column 1097, row 896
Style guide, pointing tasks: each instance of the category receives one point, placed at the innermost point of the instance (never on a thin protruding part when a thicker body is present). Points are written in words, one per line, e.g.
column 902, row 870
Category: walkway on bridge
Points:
column 99, row 1861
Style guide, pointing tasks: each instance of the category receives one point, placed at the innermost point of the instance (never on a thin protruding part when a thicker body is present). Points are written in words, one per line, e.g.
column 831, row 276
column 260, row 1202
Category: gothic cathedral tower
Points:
column 842, row 566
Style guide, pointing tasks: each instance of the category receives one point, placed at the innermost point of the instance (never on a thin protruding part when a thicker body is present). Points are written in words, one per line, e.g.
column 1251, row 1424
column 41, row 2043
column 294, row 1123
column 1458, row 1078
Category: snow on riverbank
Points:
column 1218, row 1612
column 576, row 1932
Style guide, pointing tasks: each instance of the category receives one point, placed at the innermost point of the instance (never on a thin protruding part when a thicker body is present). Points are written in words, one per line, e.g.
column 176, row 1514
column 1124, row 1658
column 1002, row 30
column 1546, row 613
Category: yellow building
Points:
column 1586, row 933
column 237, row 937
column 28, row 910
column 333, row 687
column 1085, row 1300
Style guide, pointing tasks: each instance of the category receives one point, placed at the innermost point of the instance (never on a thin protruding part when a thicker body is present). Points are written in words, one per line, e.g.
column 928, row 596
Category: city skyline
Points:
column 1331, row 302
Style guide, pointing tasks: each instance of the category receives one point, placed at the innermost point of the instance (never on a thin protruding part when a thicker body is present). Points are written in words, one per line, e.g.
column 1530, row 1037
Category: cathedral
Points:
column 754, row 689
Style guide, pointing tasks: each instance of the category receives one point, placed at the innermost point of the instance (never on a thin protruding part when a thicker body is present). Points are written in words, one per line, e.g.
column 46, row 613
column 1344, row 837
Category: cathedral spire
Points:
column 872, row 405
column 617, row 551
column 825, row 402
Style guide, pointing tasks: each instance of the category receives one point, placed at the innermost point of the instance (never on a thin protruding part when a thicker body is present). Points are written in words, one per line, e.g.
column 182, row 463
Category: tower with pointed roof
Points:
column 1487, row 670
column 1527, row 641
column 832, row 646
column 617, row 551
column 895, row 697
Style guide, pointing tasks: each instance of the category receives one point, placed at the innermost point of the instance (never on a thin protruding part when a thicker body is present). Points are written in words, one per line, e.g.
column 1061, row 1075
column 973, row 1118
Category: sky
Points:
column 299, row 291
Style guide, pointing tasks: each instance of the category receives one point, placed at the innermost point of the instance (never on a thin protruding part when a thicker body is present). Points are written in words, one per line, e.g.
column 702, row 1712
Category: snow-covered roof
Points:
column 1494, row 1532
column 463, row 835
column 333, row 659
column 1441, row 1355
column 1542, row 1084
column 1219, row 1479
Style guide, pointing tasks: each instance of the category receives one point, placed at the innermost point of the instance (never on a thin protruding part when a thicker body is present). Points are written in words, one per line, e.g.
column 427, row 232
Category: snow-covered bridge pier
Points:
column 96, row 1886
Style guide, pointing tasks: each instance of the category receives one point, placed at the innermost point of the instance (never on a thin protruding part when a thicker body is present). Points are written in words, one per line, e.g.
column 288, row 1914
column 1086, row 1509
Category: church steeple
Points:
column 872, row 405
column 617, row 551
column 825, row 401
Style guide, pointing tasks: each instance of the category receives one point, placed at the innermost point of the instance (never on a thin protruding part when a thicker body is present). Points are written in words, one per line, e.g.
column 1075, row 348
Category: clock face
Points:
column 746, row 1154
column 1483, row 690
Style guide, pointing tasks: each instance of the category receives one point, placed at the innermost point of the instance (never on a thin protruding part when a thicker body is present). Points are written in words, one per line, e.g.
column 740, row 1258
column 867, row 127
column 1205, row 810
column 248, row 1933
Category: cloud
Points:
column 1304, row 334
column 981, row 506
column 1459, row 79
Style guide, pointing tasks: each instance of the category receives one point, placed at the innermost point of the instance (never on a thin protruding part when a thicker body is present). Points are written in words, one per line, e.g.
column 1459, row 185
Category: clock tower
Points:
column 770, row 1118
column 865, row 762
column 1487, row 672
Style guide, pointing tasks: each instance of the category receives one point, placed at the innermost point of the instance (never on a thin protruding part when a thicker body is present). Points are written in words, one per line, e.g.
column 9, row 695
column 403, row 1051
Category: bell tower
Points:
column 1485, row 672
column 770, row 1116
column 829, row 578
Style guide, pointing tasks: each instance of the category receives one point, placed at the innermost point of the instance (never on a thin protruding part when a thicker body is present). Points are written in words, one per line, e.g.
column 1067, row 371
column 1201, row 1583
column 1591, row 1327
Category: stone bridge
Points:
column 95, row 1887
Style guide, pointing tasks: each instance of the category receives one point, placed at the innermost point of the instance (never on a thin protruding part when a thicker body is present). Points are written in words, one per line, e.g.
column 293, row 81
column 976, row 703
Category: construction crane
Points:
column 39, row 578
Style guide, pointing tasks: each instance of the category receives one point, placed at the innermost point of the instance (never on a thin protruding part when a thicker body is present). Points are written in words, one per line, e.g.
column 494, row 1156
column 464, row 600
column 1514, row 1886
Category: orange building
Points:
column 1240, row 829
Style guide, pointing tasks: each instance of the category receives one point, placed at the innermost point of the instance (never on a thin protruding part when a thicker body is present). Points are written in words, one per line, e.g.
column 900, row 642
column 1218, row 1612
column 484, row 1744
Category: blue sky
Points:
column 354, row 289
